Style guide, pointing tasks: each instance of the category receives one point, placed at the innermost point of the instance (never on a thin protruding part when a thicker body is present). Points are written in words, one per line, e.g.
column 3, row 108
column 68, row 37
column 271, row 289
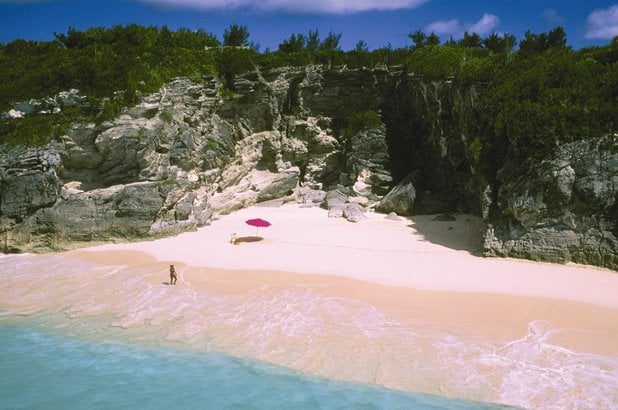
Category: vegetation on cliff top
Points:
column 539, row 94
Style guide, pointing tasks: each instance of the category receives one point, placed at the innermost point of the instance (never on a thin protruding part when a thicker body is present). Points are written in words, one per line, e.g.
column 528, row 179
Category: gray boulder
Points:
column 351, row 212
column 393, row 217
column 335, row 212
column 281, row 186
column 311, row 197
column 334, row 198
column 354, row 213
column 400, row 199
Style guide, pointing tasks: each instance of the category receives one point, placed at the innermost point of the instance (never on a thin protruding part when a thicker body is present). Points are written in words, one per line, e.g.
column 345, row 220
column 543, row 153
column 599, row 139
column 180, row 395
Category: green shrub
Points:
column 365, row 120
column 437, row 63
column 226, row 93
column 33, row 130
column 166, row 116
column 212, row 145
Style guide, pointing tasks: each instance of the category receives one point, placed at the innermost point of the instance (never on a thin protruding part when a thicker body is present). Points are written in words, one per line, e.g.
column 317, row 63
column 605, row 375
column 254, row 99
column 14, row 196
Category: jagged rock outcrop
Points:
column 186, row 154
column 57, row 103
column 368, row 163
column 190, row 153
column 29, row 181
column 563, row 209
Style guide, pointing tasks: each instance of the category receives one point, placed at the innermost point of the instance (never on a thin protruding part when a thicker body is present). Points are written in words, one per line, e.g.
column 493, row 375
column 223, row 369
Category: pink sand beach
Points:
column 408, row 305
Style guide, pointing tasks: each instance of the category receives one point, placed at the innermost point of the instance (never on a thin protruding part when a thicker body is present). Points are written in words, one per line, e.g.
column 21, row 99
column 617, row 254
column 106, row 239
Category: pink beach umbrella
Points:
column 258, row 223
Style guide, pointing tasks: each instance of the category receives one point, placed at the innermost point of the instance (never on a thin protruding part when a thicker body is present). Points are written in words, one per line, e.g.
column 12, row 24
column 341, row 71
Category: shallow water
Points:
column 43, row 370
column 96, row 325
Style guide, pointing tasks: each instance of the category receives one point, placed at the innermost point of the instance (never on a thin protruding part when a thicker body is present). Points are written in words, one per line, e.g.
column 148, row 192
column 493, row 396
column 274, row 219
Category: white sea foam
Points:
column 301, row 326
column 538, row 373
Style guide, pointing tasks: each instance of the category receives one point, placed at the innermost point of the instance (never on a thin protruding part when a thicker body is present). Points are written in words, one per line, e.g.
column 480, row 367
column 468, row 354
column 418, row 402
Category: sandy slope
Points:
column 419, row 253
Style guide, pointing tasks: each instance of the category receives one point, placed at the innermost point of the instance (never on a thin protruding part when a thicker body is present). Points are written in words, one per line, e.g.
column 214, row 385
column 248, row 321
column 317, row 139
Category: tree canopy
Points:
column 236, row 36
column 538, row 95
column 310, row 42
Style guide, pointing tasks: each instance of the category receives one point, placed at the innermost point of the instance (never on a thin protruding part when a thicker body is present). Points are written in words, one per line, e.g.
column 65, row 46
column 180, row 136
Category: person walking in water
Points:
column 173, row 275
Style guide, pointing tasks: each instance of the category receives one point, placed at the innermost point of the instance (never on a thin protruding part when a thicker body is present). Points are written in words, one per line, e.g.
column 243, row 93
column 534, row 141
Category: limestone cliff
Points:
column 187, row 154
column 194, row 151
column 562, row 209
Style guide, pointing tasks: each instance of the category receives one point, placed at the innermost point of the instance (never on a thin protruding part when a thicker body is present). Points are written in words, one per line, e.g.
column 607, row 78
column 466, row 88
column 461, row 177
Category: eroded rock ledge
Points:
column 187, row 154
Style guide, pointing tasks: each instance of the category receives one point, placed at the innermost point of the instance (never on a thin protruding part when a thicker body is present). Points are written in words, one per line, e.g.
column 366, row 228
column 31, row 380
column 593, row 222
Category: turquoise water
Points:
column 82, row 335
column 67, row 342
column 42, row 370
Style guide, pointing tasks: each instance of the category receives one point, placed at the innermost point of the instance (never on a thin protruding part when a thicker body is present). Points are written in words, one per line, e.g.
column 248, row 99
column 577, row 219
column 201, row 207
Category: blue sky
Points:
column 377, row 22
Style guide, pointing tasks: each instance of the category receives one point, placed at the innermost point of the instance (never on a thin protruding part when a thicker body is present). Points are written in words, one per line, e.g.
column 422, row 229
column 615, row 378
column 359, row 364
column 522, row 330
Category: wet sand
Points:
column 404, row 304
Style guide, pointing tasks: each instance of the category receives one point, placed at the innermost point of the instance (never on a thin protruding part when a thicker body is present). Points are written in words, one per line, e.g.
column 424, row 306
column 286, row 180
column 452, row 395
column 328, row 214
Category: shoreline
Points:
column 471, row 313
column 316, row 294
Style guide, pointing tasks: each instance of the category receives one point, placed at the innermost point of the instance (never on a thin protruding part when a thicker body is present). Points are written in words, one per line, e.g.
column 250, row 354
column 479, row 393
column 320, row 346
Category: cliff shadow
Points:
column 463, row 232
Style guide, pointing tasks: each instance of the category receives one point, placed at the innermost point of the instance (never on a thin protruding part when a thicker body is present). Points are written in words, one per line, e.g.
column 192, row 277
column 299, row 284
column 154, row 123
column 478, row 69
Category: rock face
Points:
column 53, row 104
column 190, row 153
column 564, row 209
column 431, row 129
column 186, row 155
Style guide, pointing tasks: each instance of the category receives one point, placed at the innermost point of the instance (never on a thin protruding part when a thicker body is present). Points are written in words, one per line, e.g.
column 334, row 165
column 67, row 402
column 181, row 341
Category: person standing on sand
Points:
column 173, row 275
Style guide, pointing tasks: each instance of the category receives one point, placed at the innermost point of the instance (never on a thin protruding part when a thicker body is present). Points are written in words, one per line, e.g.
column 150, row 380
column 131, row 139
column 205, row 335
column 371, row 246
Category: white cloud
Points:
column 487, row 24
column 552, row 16
column 297, row 6
column 602, row 24
column 444, row 27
